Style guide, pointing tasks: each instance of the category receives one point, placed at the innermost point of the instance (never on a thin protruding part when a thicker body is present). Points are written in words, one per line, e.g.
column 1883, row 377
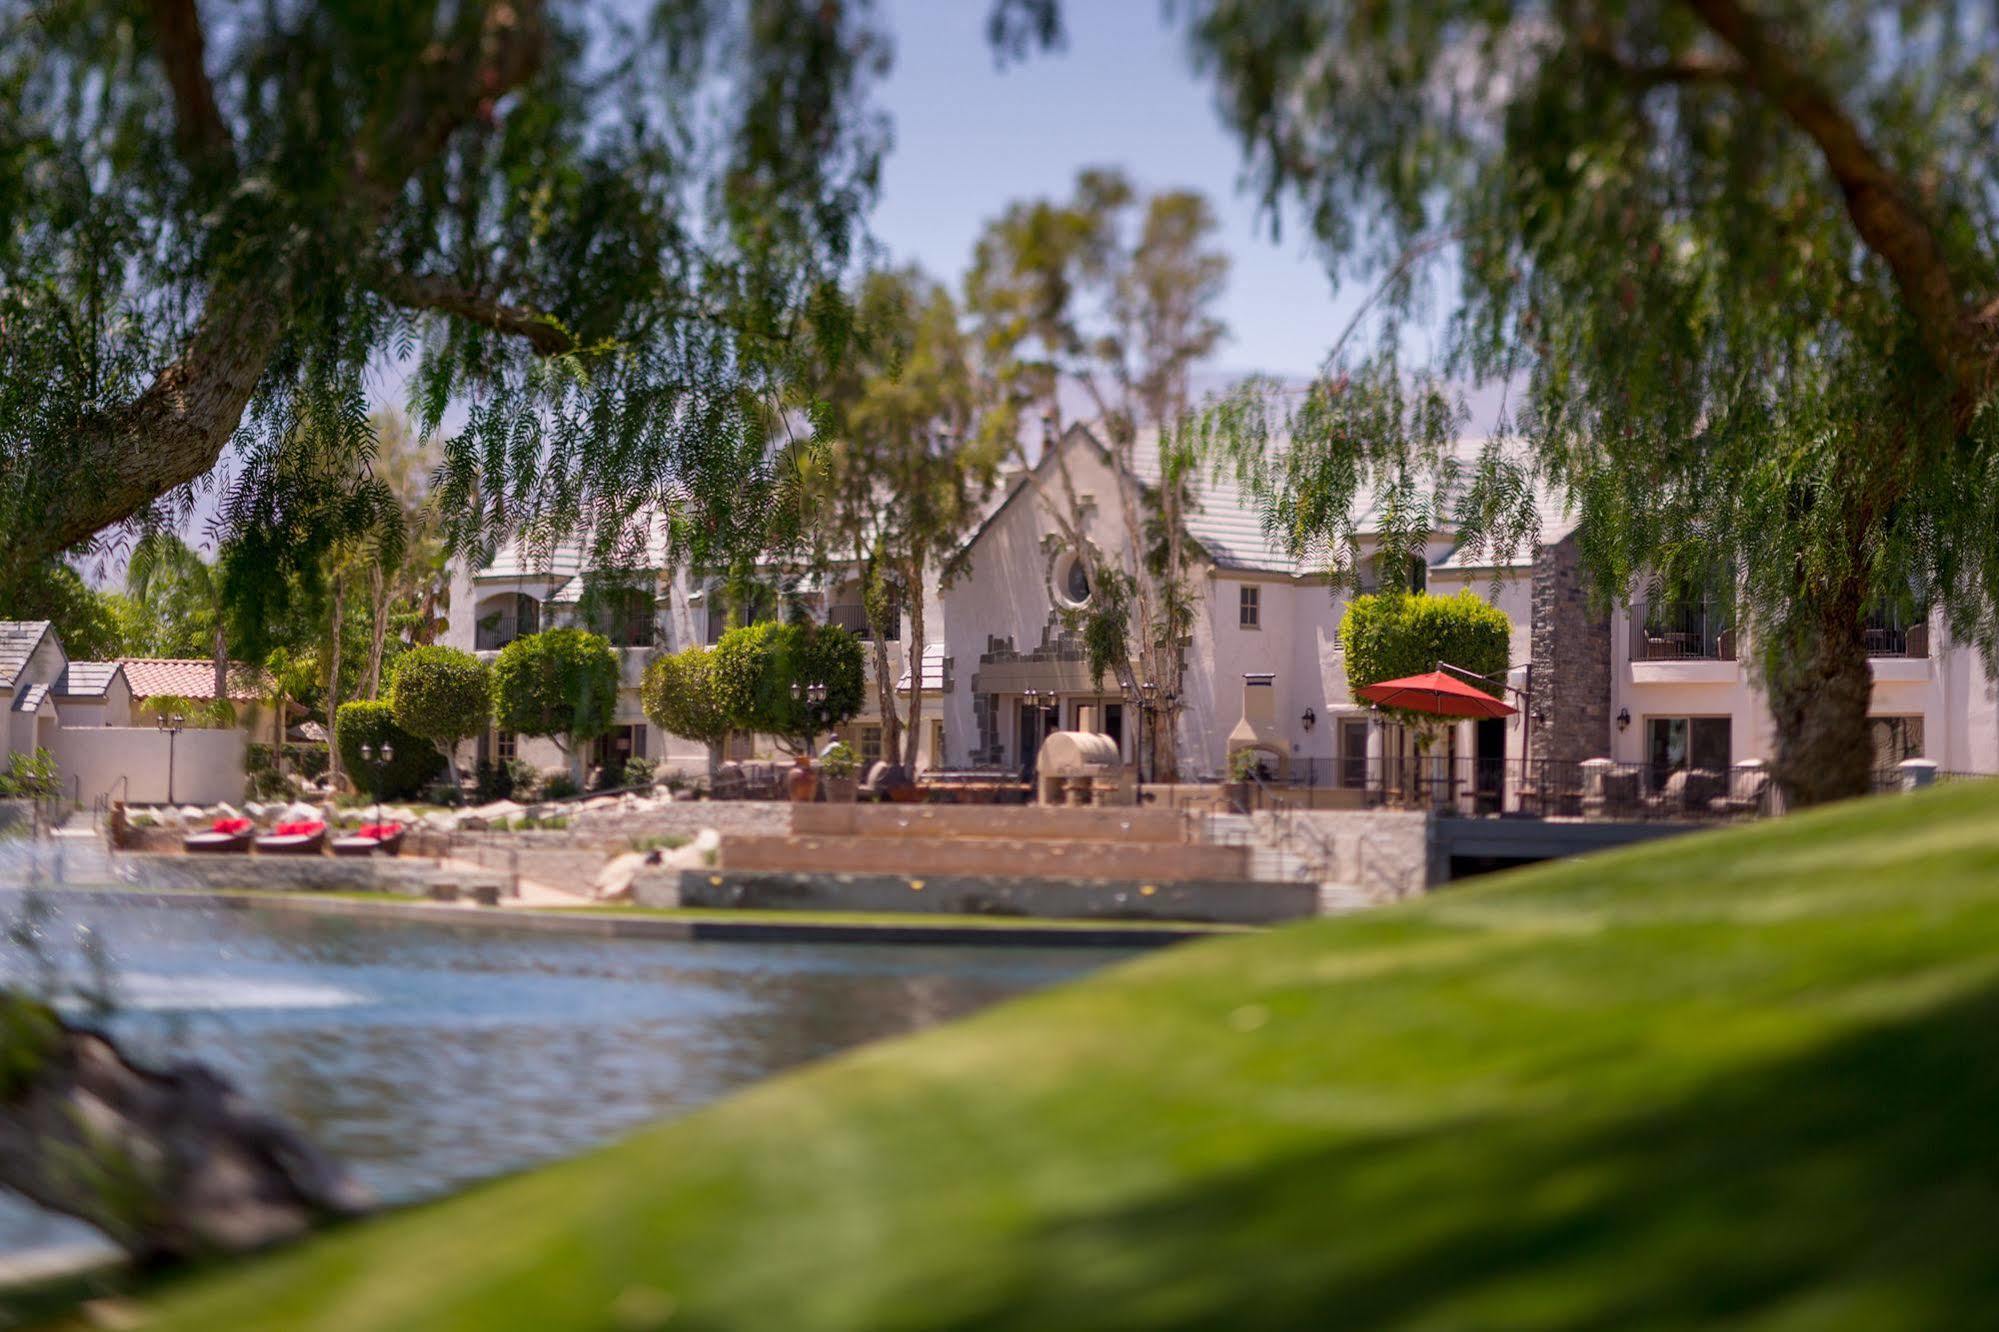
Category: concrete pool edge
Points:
column 609, row 922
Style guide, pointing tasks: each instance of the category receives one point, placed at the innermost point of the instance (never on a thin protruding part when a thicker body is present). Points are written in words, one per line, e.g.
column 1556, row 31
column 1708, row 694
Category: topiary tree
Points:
column 1392, row 634
column 766, row 674
column 414, row 763
column 560, row 683
column 680, row 695
column 442, row 694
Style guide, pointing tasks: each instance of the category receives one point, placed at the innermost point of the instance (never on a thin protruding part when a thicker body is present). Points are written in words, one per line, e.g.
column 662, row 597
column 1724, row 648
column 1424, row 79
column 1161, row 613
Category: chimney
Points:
column 1258, row 727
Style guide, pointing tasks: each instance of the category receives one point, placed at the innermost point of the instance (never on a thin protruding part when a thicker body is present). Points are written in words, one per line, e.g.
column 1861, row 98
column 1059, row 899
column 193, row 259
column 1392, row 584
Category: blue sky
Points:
column 970, row 138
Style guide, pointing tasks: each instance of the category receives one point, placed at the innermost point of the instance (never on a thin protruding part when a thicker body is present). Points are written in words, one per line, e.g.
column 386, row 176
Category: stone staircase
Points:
column 1099, row 862
column 1285, row 860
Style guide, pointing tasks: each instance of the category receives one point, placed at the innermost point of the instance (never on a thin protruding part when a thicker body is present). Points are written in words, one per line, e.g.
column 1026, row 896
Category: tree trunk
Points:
column 333, row 773
column 171, row 1164
column 1820, row 688
column 914, row 639
column 378, row 627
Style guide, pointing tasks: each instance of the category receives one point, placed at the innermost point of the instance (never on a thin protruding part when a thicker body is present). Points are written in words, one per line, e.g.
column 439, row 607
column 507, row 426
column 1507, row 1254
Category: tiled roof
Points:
column 88, row 679
column 30, row 699
column 564, row 559
column 18, row 641
column 191, row 678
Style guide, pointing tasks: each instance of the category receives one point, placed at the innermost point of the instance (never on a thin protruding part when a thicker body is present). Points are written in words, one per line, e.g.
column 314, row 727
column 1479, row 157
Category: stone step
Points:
column 1010, row 823
column 1343, row 899
column 911, row 855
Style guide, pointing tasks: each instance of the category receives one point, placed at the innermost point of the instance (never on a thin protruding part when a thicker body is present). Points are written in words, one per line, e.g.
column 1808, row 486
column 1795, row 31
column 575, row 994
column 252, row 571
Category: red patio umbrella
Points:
column 1435, row 692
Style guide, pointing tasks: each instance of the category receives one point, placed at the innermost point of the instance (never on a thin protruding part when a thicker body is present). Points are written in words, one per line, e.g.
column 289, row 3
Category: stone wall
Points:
column 1383, row 852
column 1571, row 658
column 277, row 874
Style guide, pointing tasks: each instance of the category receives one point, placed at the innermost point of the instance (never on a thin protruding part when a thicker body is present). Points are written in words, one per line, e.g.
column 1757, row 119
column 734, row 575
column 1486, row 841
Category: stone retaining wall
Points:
column 1248, row 902
column 1011, row 822
column 1384, row 852
column 277, row 874
column 973, row 856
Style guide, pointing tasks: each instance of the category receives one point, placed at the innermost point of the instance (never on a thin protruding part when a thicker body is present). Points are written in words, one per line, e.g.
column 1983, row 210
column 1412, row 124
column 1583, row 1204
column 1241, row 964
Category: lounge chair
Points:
column 224, row 837
column 293, row 839
column 373, row 839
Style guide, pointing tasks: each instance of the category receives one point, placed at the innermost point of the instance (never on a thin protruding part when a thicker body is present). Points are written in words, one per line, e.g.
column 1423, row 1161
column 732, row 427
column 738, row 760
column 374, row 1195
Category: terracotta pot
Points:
column 802, row 781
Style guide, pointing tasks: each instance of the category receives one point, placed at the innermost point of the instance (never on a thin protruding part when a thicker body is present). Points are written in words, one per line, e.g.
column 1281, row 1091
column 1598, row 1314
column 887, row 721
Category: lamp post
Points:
column 378, row 762
column 172, row 723
column 811, row 699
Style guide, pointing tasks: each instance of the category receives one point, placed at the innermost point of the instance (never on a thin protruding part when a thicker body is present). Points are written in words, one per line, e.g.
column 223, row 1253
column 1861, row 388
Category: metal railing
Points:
column 492, row 634
column 1889, row 635
column 1681, row 631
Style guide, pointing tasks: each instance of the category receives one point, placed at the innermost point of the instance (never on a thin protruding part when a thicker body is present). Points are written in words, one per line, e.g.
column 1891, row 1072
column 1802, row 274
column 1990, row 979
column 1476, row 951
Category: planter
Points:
column 841, row 790
column 802, row 782
column 1237, row 796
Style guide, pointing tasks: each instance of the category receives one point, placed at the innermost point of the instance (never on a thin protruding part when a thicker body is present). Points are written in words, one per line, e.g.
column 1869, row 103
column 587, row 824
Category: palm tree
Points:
column 180, row 595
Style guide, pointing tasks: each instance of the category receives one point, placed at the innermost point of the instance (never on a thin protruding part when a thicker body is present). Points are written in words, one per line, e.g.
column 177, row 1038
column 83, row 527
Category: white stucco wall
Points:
column 207, row 764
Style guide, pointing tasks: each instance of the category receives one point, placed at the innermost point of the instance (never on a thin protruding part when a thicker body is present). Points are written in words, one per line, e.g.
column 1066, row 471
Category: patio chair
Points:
column 1750, row 799
column 294, row 839
column 1618, row 798
column 224, row 837
column 373, row 839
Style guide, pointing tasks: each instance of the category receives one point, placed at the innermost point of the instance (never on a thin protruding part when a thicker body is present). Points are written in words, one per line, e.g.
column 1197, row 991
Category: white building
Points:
column 85, row 714
column 1666, row 687
column 524, row 589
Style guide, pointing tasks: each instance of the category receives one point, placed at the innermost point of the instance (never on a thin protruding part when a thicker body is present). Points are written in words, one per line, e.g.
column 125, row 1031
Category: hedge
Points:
column 416, row 763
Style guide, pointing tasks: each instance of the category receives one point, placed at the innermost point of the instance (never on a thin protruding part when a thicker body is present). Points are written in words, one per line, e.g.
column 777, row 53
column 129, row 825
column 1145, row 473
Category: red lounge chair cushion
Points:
column 231, row 827
column 305, row 829
column 378, row 832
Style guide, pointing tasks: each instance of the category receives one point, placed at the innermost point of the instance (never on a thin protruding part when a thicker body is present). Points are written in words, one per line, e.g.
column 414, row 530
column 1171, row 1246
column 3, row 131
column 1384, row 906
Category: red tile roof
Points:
column 191, row 678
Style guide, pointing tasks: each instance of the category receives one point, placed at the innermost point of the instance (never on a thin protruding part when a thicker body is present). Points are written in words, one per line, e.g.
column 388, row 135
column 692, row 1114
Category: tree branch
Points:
column 1880, row 204
column 416, row 291
column 205, row 140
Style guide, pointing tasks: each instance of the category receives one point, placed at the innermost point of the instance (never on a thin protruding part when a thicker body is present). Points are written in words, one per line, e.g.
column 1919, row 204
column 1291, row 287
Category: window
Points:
column 1072, row 581
column 506, row 746
column 1673, row 743
column 849, row 611
column 937, row 759
column 1250, row 607
column 1113, row 724
column 868, row 745
column 1895, row 739
column 625, row 616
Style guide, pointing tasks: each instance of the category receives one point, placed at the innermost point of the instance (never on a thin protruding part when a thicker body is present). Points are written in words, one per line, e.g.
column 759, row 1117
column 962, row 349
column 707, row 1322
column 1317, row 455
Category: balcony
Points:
column 1681, row 631
column 495, row 632
column 1892, row 635
column 854, row 619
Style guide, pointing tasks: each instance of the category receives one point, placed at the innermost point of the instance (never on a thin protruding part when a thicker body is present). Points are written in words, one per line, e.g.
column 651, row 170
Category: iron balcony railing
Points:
column 495, row 632
column 1681, row 631
column 1889, row 634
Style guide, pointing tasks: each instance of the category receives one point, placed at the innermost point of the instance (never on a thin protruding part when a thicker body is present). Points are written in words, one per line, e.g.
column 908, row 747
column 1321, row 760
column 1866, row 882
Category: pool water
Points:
column 426, row 1057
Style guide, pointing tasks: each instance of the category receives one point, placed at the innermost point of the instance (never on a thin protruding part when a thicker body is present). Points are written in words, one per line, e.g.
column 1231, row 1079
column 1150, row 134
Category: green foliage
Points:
column 559, row 786
column 839, row 761
column 762, row 673
column 523, row 778
column 31, row 776
column 173, row 599
column 441, row 694
column 1386, row 636
column 415, row 764
column 680, row 696
column 560, row 683
column 91, row 624
column 30, row 1033
column 619, row 231
column 638, row 774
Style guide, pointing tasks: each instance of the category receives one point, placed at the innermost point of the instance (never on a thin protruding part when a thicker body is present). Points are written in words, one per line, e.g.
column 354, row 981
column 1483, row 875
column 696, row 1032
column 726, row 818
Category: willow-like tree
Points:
column 611, row 229
column 1114, row 292
column 1739, row 259
column 900, row 476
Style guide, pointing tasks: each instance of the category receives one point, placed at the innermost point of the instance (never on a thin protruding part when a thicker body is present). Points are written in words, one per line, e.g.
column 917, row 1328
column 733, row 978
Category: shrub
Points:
column 560, row 683
column 441, row 694
column 760, row 668
column 559, row 786
column 679, row 695
column 523, row 779
column 838, row 762
column 492, row 781
column 1390, row 635
column 638, row 772
column 30, row 777
column 416, row 762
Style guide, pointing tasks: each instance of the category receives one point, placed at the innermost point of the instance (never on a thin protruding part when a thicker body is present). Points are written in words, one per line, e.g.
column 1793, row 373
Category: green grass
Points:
column 1744, row 1079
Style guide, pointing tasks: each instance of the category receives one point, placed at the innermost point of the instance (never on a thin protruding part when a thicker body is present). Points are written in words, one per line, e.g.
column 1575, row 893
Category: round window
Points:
column 1072, row 581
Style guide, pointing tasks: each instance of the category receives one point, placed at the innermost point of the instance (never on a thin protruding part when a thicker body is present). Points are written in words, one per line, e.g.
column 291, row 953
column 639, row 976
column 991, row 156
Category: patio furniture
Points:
column 372, row 839
column 224, row 837
column 294, row 839
column 1619, row 798
column 1750, row 798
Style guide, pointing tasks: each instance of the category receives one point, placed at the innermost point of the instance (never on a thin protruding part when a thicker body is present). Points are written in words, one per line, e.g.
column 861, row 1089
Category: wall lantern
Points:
column 1310, row 719
column 1624, row 719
